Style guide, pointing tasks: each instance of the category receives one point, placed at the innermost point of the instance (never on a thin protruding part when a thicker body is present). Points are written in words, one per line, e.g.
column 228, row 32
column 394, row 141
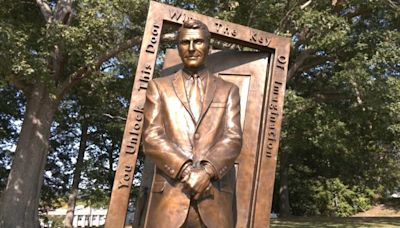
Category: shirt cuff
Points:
column 210, row 170
column 185, row 170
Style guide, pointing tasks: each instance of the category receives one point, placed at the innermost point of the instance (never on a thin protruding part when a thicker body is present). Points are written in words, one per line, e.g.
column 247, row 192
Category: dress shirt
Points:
column 188, row 79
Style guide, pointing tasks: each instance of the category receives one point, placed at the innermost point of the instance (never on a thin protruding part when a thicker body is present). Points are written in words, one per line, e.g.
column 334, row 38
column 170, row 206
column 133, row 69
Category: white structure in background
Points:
column 84, row 216
column 395, row 195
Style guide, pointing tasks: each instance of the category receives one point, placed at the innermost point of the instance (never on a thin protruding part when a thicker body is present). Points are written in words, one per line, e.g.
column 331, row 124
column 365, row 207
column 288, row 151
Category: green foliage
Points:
column 323, row 29
column 341, row 123
column 106, row 125
column 57, row 52
column 329, row 197
column 342, row 107
column 11, row 106
column 342, row 111
column 96, row 27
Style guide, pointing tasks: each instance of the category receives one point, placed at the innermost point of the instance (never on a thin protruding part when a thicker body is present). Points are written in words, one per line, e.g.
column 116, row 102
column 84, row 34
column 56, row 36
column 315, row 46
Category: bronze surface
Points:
column 183, row 143
column 272, row 100
column 247, row 70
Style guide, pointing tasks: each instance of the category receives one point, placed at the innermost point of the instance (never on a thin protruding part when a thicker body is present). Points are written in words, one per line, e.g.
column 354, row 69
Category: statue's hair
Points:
column 195, row 24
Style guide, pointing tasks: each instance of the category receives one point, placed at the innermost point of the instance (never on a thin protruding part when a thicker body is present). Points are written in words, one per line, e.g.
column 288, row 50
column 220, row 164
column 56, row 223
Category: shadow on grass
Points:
column 335, row 222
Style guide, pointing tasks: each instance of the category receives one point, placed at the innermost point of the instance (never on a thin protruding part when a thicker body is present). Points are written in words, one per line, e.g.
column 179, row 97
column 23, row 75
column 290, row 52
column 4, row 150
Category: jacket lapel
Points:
column 208, row 97
column 179, row 87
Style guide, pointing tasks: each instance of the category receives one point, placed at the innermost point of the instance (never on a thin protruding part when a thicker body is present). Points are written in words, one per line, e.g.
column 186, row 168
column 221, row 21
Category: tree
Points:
column 48, row 48
column 102, row 141
column 77, row 175
column 338, row 124
column 11, row 102
column 342, row 98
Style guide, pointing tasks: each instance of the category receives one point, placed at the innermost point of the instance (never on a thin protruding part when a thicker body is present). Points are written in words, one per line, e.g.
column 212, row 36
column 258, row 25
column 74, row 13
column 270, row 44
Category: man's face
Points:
column 193, row 48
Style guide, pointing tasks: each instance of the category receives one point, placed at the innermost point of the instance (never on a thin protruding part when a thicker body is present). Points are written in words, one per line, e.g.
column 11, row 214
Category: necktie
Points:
column 195, row 96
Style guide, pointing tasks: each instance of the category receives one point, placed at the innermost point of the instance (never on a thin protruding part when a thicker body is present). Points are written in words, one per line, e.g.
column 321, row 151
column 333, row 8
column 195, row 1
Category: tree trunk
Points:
column 69, row 217
column 284, row 203
column 110, row 165
column 20, row 200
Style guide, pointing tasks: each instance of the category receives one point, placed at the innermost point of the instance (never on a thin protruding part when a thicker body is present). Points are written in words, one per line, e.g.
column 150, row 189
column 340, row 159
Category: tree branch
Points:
column 19, row 84
column 222, row 45
column 303, row 36
column 62, row 14
column 45, row 9
column 283, row 22
column 305, row 4
column 113, row 52
column 356, row 13
column 114, row 117
column 357, row 91
column 306, row 62
column 169, row 37
column 64, row 11
column 314, row 61
column 58, row 62
column 393, row 5
column 87, row 70
column 300, row 60
column 329, row 97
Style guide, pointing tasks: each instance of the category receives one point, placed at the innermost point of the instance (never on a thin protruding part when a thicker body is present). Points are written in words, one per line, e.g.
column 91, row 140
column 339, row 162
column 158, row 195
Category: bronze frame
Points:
column 279, row 47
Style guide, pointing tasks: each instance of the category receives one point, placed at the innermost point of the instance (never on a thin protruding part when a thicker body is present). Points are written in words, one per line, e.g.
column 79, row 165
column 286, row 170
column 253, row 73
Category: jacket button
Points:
column 197, row 136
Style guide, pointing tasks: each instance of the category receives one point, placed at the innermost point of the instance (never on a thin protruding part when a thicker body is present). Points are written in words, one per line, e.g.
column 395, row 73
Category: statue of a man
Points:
column 193, row 135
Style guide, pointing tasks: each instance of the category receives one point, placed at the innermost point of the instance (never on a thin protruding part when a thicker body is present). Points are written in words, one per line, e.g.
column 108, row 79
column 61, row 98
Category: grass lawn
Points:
column 336, row 222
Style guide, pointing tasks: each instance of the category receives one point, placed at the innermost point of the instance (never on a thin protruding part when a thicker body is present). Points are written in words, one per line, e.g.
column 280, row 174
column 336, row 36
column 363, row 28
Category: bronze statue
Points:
column 193, row 135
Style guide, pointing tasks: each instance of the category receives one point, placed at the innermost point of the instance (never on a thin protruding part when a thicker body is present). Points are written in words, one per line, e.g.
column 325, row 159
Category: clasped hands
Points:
column 197, row 181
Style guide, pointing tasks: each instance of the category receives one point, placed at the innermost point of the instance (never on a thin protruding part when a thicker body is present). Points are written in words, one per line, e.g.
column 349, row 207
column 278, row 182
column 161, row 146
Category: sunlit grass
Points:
column 376, row 222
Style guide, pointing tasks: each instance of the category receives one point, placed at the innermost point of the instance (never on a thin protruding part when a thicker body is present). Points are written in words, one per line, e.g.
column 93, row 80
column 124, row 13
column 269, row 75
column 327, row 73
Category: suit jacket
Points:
column 172, row 138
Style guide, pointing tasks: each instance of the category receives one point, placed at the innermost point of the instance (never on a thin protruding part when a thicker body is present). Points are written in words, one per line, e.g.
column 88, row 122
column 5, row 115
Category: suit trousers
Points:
column 193, row 219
